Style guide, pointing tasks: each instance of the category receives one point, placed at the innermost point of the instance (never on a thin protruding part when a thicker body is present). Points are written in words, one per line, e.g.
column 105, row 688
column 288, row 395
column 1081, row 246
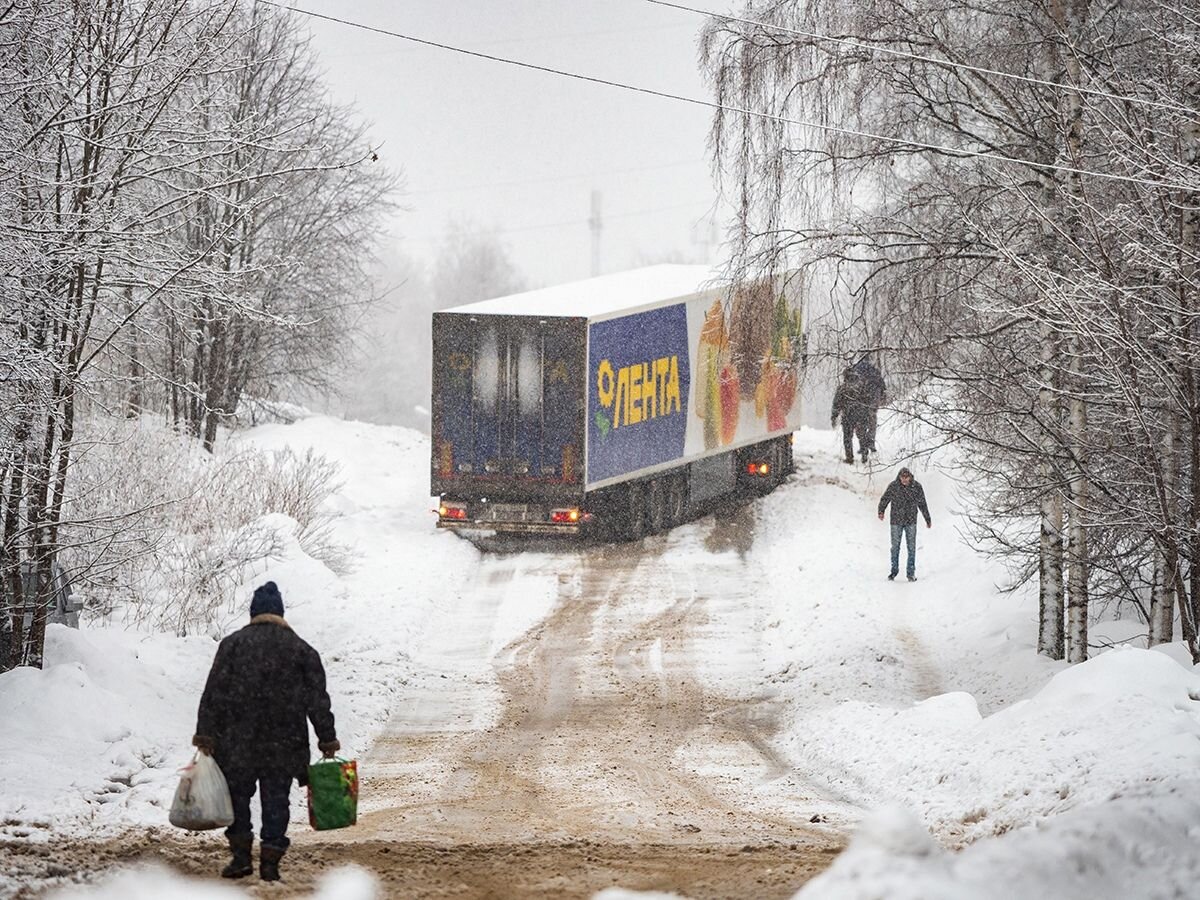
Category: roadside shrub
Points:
column 162, row 534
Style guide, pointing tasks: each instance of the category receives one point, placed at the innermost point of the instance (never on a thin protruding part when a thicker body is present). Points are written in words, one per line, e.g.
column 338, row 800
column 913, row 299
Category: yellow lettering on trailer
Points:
column 605, row 383
column 635, row 393
column 672, row 391
column 650, row 390
column 641, row 391
column 621, row 404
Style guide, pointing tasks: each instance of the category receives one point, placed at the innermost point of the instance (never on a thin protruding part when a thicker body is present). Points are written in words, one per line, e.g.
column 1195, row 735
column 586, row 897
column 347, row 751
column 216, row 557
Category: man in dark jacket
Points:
column 851, row 402
column 876, row 396
column 906, row 497
column 265, row 685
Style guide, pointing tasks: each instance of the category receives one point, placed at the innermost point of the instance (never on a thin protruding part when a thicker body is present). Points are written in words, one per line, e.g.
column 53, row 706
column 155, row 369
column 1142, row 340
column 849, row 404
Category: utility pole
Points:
column 595, row 224
column 704, row 237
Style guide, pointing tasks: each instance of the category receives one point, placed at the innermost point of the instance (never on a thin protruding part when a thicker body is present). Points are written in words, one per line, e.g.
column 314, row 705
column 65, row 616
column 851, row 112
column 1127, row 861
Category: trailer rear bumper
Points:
column 510, row 527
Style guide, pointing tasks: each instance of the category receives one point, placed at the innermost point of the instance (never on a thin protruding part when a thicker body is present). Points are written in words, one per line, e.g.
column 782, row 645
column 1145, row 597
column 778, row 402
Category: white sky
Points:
column 463, row 129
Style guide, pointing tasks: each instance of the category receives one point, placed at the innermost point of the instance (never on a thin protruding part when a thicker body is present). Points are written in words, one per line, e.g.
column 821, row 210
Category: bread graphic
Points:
column 719, row 386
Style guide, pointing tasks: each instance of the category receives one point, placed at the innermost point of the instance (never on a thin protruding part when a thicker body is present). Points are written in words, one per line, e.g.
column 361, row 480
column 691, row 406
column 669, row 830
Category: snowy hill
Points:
column 847, row 694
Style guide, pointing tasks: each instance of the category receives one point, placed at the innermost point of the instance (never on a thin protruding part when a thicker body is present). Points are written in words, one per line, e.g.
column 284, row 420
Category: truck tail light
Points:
column 565, row 516
column 450, row 510
column 759, row 469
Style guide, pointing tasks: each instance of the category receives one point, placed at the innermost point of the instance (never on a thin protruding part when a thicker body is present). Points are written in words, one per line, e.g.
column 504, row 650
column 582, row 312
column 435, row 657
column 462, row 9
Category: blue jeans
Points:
column 910, row 537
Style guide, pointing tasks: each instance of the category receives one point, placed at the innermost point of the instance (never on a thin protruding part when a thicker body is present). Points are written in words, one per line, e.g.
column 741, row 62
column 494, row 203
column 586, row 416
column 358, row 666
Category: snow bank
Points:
column 1091, row 782
column 95, row 739
column 1117, row 724
column 1132, row 847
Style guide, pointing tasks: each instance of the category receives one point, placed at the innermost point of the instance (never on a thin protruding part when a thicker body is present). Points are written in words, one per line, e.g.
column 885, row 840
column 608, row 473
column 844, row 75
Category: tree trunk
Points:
column 135, row 401
column 1050, row 580
column 11, row 572
column 1051, row 624
column 1166, row 560
column 1189, row 228
column 1070, row 20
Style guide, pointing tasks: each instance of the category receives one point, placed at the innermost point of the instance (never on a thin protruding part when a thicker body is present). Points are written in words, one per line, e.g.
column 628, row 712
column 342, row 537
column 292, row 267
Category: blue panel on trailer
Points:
column 638, row 378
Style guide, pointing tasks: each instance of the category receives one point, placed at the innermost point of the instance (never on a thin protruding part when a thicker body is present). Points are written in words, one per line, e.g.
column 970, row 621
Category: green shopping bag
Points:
column 332, row 793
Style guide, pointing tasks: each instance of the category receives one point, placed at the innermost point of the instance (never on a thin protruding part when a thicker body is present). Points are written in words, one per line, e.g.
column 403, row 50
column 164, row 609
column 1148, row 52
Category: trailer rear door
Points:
column 508, row 401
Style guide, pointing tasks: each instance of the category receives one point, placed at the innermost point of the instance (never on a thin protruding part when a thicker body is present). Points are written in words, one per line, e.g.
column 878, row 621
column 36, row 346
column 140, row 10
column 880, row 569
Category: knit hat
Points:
column 267, row 600
column 903, row 472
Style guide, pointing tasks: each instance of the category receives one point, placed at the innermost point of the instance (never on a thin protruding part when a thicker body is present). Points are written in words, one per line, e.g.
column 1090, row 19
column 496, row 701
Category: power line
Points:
column 872, row 48
column 709, row 104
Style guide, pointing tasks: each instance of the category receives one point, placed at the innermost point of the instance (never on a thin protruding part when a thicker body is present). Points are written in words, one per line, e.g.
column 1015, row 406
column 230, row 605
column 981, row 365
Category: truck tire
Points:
column 656, row 507
column 634, row 526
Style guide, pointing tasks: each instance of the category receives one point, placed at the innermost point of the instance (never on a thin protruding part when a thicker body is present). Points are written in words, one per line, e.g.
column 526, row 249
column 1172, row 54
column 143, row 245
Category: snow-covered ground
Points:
column 919, row 709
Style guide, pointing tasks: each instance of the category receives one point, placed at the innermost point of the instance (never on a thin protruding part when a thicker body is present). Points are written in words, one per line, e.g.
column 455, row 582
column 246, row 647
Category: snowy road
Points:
column 610, row 725
column 604, row 724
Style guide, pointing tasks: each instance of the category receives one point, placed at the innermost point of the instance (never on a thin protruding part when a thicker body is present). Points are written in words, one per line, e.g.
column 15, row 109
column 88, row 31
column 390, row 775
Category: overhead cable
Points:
column 710, row 104
column 947, row 63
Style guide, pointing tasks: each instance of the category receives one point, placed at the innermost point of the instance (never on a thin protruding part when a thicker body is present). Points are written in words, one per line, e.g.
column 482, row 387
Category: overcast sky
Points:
column 520, row 152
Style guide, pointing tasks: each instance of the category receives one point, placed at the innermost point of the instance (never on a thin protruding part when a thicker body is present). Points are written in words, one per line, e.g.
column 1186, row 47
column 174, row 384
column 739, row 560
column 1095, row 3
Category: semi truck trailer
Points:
column 622, row 405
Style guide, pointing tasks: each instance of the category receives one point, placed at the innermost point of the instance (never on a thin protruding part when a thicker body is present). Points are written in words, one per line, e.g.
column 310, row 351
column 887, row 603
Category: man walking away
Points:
column 264, row 683
column 906, row 496
column 850, row 402
column 876, row 396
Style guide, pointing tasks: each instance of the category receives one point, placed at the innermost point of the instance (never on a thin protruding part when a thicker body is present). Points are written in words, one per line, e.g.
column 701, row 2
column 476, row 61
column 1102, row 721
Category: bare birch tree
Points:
column 1024, row 305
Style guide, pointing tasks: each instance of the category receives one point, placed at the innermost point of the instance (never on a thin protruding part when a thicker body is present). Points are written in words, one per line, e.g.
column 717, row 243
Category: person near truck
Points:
column 851, row 402
column 265, row 685
column 875, row 389
column 906, row 497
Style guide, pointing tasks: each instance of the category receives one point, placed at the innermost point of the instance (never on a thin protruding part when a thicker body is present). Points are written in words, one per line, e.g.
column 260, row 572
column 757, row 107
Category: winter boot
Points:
column 240, row 866
column 912, row 577
column 268, row 863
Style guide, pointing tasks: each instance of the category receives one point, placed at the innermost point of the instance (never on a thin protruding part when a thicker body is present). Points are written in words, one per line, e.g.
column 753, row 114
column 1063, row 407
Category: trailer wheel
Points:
column 635, row 511
column 676, row 500
column 656, row 506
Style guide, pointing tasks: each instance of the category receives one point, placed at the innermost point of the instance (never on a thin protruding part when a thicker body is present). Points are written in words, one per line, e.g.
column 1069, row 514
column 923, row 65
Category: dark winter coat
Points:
column 905, row 500
column 264, row 684
column 850, row 401
column 875, row 387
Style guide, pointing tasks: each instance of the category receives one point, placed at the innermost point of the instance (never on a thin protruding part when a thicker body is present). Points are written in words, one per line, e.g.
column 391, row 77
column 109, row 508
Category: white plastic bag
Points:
column 202, row 799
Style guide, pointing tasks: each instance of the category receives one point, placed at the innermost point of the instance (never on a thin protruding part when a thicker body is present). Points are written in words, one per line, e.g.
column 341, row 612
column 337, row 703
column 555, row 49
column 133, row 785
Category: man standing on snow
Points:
column 264, row 684
column 906, row 496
